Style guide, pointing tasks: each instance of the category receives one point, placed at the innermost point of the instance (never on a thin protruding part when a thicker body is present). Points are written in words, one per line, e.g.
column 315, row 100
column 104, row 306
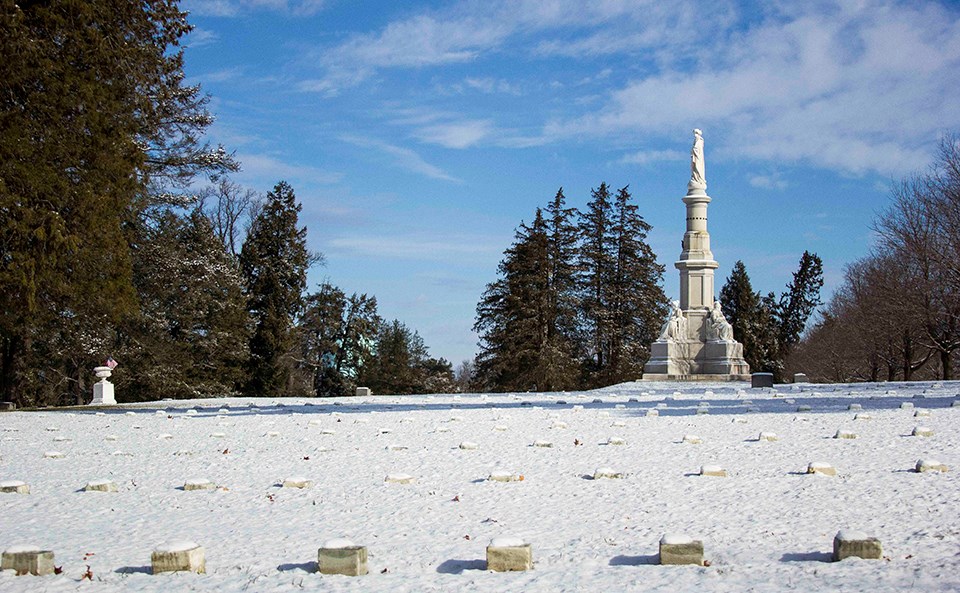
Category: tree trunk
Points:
column 945, row 365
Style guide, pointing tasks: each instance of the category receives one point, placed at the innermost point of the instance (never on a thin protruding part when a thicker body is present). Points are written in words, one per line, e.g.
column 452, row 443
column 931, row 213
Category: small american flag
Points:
column 111, row 363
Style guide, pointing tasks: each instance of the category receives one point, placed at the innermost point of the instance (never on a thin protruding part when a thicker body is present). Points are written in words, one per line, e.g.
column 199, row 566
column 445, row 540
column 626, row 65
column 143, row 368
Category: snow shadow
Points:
column 453, row 566
column 304, row 566
column 807, row 557
column 635, row 560
column 134, row 570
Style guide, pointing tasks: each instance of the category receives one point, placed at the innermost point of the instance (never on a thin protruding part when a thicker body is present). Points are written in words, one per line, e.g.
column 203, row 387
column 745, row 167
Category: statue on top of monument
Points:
column 675, row 327
column 718, row 328
column 698, row 175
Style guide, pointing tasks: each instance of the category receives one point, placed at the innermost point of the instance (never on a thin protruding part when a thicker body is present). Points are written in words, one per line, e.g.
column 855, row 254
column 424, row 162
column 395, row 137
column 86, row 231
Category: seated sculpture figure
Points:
column 675, row 327
column 718, row 328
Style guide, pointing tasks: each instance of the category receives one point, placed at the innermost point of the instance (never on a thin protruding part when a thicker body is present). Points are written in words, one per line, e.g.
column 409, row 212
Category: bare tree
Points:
column 230, row 208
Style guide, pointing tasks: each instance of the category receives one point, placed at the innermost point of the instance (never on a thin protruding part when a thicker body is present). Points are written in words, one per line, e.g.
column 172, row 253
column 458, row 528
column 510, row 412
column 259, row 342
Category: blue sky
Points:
column 418, row 135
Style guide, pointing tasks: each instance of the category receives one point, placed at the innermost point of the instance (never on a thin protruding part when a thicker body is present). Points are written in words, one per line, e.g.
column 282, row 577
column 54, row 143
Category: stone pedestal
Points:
column 342, row 557
column 507, row 554
column 28, row 560
column 103, row 394
column 363, row 391
column 15, row 486
column 181, row 556
column 679, row 549
column 853, row 543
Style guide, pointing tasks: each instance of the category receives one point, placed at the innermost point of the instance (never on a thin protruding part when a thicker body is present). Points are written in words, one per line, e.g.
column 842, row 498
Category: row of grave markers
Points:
column 815, row 467
column 343, row 557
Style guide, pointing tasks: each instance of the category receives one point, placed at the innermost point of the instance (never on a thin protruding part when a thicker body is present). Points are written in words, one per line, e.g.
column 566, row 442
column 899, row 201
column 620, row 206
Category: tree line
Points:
column 577, row 303
column 579, row 300
column 105, row 248
column 896, row 314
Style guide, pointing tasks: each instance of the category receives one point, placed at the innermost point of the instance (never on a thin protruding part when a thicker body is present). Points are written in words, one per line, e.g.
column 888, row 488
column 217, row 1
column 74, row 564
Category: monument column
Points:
column 696, row 342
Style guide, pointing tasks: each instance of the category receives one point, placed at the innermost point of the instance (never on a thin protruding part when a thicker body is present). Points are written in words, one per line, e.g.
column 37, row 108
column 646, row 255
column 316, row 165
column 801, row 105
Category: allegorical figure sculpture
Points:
column 718, row 328
column 698, row 176
column 675, row 328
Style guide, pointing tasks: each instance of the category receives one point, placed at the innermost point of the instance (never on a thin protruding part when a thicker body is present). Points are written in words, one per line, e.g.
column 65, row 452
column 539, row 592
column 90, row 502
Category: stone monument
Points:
column 696, row 342
column 103, row 389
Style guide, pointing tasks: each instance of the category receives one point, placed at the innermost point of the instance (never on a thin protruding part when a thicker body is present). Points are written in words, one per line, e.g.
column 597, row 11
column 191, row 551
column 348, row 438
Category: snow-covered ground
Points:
column 767, row 526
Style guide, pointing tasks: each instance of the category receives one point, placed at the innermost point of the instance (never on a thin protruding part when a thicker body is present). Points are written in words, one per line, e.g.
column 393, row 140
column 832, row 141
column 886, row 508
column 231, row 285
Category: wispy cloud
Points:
column 857, row 88
column 265, row 168
column 461, row 134
column 200, row 37
column 453, row 248
column 232, row 8
column 771, row 181
column 645, row 157
column 402, row 157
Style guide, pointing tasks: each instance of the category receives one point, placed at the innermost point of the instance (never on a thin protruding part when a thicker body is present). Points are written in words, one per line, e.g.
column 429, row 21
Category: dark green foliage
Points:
column 769, row 327
column 512, row 316
column 274, row 260
column 92, row 113
column 401, row 364
column 800, row 301
column 574, row 305
column 337, row 336
column 190, row 336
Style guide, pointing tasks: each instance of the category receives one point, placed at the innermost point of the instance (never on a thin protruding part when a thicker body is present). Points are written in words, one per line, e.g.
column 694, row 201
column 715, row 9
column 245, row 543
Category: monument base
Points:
column 103, row 394
column 688, row 360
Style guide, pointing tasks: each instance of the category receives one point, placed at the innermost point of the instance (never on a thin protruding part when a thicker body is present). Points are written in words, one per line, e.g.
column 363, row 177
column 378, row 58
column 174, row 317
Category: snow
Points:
column 12, row 484
column 21, row 549
column 675, row 539
column 506, row 541
column 337, row 544
column 849, row 535
column 767, row 526
column 174, row 546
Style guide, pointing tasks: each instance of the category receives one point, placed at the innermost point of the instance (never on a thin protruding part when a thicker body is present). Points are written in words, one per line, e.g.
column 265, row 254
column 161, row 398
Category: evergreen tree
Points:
column 190, row 336
column 399, row 364
column 93, row 113
column 512, row 316
column 752, row 320
column 799, row 302
column 636, row 299
column 337, row 334
column 563, row 315
column 274, row 260
column 597, row 271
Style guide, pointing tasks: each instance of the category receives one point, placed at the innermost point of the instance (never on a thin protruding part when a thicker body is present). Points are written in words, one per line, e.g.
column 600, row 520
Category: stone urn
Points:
column 102, row 372
column 103, row 389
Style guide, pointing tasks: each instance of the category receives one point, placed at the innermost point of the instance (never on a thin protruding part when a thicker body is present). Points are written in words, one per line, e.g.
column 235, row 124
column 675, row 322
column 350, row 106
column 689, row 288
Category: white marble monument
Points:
column 696, row 341
column 103, row 389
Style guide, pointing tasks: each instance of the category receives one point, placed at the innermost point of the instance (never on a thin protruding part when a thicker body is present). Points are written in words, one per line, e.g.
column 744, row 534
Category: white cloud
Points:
column 459, row 248
column 199, row 37
column 456, row 134
column 860, row 89
column 645, row 157
column 232, row 8
column 404, row 158
column 265, row 168
column 772, row 181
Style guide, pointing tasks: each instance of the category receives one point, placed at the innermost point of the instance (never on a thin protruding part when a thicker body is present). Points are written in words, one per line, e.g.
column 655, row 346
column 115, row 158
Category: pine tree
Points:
column 752, row 319
column 636, row 299
column 563, row 314
column 512, row 316
column 274, row 260
column 93, row 113
column 190, row 336
column 336, row 339
column 597, row 268
column 799, row 302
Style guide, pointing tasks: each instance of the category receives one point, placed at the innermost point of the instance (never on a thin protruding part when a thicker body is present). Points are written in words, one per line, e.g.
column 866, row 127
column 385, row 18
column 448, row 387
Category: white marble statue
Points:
column 718, row 328
column 698, row 175
column 675, row 327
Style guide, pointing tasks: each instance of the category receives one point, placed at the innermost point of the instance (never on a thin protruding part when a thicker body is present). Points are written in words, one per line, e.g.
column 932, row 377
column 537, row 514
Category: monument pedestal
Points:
column 103, row 394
